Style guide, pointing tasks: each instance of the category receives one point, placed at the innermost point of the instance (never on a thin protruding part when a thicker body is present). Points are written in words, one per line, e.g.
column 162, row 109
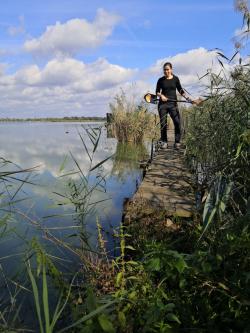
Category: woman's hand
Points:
column 188, row 99
column 162, row 97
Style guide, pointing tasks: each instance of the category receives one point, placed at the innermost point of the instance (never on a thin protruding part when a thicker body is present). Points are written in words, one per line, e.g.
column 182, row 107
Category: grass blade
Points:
column 36, row 298
column 89, row 316
column 45, row 299
column 97, row 141
column 100, row 163
column 84, row 145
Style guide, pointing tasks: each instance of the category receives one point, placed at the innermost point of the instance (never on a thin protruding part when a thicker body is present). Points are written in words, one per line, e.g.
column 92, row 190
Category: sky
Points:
column 72, row 57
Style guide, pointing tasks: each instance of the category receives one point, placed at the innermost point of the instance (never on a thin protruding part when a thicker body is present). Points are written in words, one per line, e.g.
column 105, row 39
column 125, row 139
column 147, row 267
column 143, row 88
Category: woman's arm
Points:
column 181, row 90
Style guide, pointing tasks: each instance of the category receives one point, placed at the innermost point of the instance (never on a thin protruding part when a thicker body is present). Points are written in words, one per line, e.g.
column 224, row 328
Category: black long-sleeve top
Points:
column 168, row 87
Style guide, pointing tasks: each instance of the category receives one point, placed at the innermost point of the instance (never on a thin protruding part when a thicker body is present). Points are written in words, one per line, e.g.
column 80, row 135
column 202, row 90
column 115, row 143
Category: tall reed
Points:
column 131, row 122
column 217, row 142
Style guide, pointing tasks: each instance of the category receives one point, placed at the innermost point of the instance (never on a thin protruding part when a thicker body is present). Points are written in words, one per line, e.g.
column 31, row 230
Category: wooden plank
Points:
column 167, row 183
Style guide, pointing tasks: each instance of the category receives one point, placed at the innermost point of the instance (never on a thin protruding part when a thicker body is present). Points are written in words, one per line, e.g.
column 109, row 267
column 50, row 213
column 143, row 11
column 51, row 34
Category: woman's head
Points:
column 168, row 68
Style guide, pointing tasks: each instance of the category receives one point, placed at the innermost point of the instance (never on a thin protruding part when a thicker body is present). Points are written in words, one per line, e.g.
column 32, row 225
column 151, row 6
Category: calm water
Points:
column 56, row 149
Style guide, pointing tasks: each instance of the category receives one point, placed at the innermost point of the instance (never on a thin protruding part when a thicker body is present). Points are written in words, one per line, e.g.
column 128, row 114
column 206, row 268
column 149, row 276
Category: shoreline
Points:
column 54, row 120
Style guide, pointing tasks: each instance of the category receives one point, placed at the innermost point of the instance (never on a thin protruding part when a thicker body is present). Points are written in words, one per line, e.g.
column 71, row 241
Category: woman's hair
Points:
column 168, row 64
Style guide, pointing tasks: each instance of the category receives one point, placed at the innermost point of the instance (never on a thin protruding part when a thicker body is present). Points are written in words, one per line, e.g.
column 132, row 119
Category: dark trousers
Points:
column 173, row 111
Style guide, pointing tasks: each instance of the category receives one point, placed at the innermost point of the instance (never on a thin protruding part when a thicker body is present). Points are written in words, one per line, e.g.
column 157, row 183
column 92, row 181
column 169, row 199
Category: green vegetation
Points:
column 127, row 158
column 170, row 275
column 131, row 122
column 181, row 276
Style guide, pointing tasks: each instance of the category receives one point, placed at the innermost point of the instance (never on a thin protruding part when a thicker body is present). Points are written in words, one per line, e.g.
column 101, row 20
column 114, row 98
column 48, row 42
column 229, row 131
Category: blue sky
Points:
column 60, row 58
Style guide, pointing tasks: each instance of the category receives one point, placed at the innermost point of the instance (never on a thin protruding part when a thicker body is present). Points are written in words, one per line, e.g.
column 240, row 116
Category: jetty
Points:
column 167, row 184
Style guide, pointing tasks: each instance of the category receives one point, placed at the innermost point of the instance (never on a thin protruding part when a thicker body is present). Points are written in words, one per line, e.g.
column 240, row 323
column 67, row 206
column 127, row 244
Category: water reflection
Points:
column 127, row 159
column 55, row 148
column 42, row 206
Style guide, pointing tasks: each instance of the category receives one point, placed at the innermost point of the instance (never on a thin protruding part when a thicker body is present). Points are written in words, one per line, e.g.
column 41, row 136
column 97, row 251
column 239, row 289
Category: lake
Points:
column 41, row 200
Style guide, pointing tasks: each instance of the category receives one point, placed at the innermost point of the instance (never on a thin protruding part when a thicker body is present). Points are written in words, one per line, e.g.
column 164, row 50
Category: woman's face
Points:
column 167, row 70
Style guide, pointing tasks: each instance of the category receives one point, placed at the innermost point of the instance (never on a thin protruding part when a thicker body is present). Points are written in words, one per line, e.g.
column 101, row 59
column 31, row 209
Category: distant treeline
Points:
column 56, row 119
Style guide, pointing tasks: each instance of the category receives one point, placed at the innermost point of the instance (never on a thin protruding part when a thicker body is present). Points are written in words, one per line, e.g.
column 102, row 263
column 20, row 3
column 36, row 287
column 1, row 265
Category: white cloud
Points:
column 70, row 87
column 3, row 67
column 189, row 66
column 17, row 30
column 74, row 73
column 193, row 61
column 62, row 87
column 73, row 36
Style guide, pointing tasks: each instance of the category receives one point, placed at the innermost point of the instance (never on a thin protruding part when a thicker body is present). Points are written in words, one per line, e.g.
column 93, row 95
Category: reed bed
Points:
column 131, row 122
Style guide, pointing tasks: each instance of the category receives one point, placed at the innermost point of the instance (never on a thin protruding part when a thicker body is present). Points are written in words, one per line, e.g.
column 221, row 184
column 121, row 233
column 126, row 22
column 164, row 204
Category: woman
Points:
column 166, row 90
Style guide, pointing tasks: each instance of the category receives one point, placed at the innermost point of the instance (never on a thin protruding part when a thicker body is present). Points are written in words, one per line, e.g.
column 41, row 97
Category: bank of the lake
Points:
column 49, row 119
